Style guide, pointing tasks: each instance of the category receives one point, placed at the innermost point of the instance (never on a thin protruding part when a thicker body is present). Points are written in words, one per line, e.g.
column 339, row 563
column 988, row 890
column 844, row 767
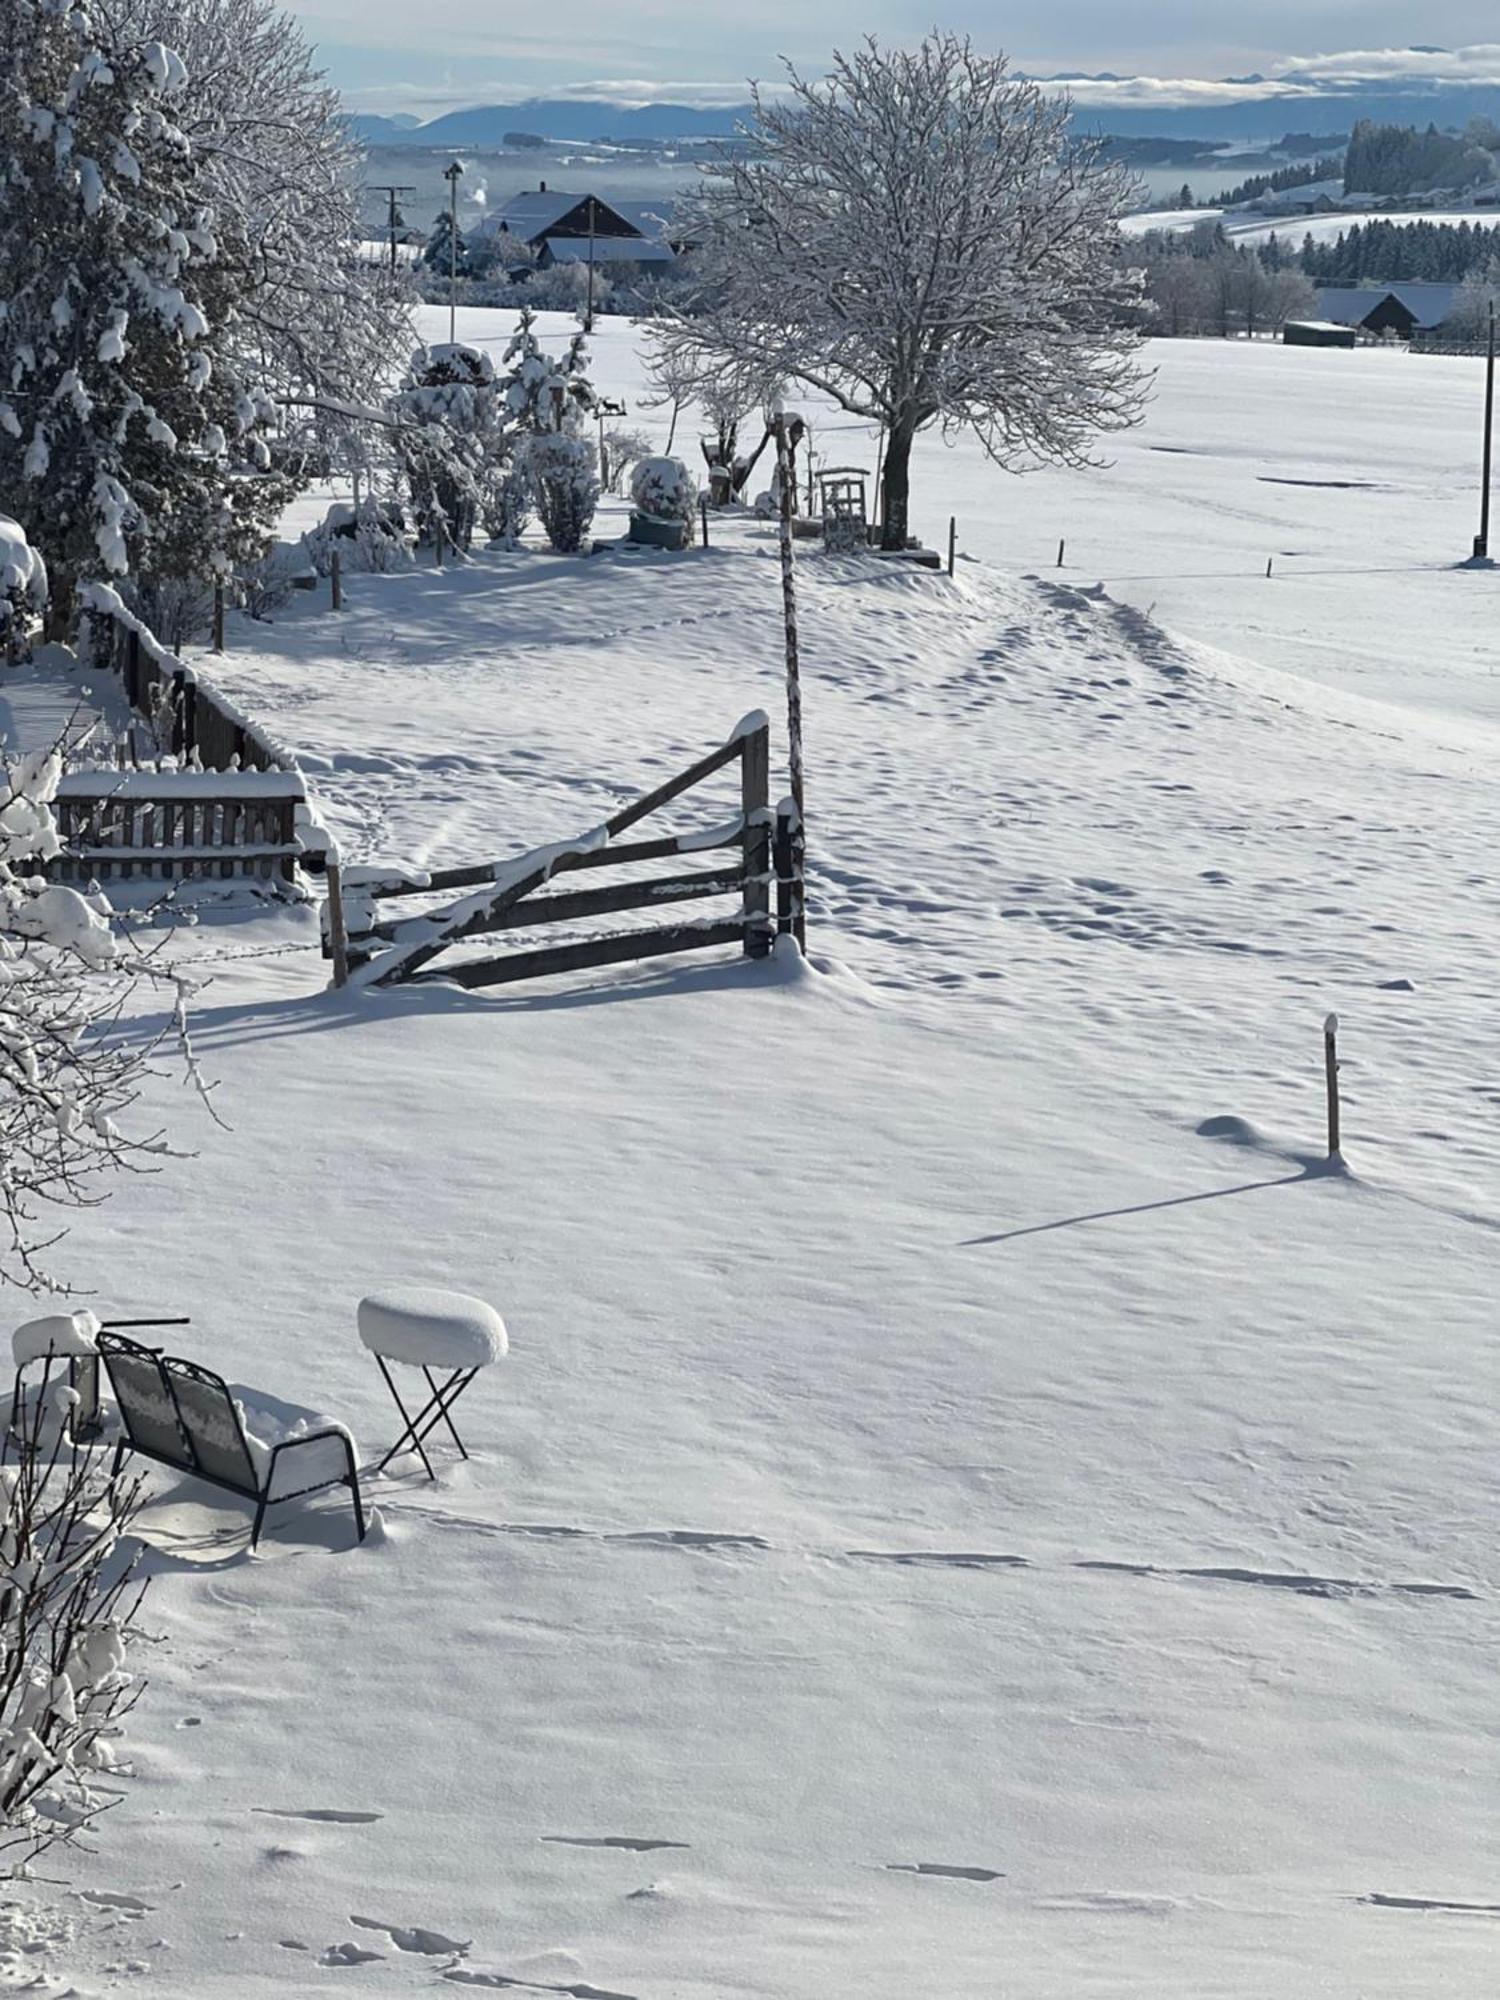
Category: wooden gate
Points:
column 378, row 949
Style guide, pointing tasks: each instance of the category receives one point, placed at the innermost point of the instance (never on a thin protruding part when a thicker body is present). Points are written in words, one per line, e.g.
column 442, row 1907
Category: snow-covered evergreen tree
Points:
column 127, row 439
column 438, row 253
column 454, row 434
column 551, row 401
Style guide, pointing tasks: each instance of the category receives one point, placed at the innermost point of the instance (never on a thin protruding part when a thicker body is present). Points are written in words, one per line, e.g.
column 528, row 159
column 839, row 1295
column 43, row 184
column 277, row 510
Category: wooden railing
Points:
column 176, row 824
column 381, row 949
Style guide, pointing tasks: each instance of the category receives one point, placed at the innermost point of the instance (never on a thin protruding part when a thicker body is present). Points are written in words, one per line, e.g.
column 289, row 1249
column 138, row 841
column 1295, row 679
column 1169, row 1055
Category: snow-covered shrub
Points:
column 23, row 589
column 563, row 473
column 454, row 438
column 68, row 1601
column 550, row 402
column 664, row 490
column 370, row 539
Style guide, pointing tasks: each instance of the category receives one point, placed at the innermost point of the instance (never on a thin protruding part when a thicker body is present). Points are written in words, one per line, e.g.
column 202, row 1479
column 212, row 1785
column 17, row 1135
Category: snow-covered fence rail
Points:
column 378, row 949
column 174, row 824
column 195, row 721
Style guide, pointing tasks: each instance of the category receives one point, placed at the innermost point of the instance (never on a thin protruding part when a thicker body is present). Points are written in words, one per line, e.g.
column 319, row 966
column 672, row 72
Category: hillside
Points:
column 969, row 1489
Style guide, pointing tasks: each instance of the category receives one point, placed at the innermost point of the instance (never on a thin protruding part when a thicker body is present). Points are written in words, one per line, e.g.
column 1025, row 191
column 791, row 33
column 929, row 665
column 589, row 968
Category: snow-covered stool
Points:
column 69, row 1339
column 449, row 1336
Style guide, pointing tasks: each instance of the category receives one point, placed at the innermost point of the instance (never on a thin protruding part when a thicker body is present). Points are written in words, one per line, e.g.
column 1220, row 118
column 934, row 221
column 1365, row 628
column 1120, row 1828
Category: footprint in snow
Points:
column 112, row 1899
column 413, row 1938
column 953, row 1873
column 348, row 1954
column 331, row 1815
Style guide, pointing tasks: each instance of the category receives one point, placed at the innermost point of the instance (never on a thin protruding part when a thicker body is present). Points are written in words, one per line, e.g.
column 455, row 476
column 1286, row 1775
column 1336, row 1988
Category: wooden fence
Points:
column 176, row 824
column 383, row 950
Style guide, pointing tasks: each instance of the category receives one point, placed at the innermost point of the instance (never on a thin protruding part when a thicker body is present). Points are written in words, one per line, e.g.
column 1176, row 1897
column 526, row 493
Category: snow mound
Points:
column 71, row 1333
column 432, row 1329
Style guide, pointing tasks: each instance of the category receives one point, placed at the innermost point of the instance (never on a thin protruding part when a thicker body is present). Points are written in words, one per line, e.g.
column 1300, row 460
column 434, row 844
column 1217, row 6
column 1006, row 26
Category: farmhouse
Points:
column 1402, row 309
column 567, row 228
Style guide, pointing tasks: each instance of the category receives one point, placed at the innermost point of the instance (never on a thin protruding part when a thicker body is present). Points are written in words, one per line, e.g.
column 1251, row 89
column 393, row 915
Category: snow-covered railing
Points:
column 198, row 722
column 175, row 824
column 379, row 949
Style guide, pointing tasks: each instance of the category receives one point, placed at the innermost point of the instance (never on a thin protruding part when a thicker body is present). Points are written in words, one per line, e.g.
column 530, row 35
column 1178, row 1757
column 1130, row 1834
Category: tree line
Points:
column 1387, row 253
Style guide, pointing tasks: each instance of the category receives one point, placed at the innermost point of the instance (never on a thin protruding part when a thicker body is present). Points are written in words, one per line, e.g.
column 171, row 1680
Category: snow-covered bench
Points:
column 184, row 1416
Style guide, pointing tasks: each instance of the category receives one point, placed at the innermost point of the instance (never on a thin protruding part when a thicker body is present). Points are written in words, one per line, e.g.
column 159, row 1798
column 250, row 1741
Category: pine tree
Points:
column 439, row 253
column 551, row 402
column 126, row 440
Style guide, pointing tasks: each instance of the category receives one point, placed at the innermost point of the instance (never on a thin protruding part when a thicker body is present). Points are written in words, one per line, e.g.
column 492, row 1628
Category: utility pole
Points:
column 452, row 176
column 391, row 189
column 1482, row 539
column 588, row 318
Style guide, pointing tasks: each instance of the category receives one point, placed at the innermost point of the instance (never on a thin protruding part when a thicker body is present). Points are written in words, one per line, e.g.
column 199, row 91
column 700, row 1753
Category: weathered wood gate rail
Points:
column 118, row 824
column 381, row 950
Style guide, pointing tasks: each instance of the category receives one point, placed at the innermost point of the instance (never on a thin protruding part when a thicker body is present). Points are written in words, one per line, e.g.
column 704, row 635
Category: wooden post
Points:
column 1061, row 549
column 336, row 580
column 338, row 934
column 793, row 651
column 1331, row 1073
column 1269, row 561
column 218, row 614
column 179, row 714
column 755, row 806
column 703, row 515
column 133, row 668
column 952, row 542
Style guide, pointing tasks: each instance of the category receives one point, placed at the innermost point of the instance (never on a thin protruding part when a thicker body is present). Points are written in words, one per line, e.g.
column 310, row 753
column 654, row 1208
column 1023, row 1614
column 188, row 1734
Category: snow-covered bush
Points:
column 68, row 1601
column 664, row 490
column 23, row 589
column 550, row 402
column 454, row 438
column 370, row 539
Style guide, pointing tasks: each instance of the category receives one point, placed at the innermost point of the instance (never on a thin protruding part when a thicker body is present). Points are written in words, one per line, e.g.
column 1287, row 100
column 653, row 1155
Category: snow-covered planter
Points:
column 664, row 496
column 368, row 539
column 23, row 589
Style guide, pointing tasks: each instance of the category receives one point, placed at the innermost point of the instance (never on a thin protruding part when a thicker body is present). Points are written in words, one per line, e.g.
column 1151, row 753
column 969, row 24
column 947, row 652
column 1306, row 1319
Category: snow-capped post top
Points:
column 70, row 1334
column 749, row 725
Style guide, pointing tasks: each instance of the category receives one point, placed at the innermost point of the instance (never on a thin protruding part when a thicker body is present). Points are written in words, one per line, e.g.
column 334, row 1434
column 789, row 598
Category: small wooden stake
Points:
column 1061, row 547
column 1269, row 561
column 1331, row 1072
column 703, row 515
column 952, row 542
column 219, row 615
column 338, row 935
column 336, row 580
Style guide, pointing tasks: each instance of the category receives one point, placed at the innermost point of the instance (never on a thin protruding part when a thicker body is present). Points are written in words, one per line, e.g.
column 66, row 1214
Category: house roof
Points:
column 607, row 250
column 1352, row 305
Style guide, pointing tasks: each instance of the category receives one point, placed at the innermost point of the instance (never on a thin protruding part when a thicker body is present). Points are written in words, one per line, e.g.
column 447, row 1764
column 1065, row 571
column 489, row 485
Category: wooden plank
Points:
column 590, row 952
column 614, row 856
column 674, row 787
column 572, row 908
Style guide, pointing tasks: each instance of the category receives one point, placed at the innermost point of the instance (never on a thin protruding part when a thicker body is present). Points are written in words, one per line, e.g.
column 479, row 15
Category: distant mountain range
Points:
column 1238, row 108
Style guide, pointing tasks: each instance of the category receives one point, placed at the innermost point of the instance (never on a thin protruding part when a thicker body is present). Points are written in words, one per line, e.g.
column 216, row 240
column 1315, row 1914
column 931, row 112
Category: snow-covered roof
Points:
column 1351, row 305
column 607, row 250
column 532, row 213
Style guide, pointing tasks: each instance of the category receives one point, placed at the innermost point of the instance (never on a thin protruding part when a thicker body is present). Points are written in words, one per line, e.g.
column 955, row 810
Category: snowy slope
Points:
column 969, row 1507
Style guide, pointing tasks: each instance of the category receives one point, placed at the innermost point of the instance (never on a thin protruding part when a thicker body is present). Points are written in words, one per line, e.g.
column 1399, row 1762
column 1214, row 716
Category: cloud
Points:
column 1300, row 77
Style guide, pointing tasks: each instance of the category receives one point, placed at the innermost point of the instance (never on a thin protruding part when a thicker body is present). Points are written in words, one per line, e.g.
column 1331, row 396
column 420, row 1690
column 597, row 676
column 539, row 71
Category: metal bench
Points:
column 184, row 1416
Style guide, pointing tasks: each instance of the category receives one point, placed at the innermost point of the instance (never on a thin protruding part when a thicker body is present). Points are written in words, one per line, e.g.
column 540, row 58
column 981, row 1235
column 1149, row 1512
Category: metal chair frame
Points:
column 190, row 1460
column 434, row 1411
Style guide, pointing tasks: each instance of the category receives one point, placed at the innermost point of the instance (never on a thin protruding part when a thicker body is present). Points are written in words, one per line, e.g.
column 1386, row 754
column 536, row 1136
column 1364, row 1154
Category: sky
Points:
column 388, row 56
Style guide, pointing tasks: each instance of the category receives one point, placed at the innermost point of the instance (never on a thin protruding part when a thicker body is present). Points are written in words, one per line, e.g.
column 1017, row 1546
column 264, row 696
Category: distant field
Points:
column 1321, row 228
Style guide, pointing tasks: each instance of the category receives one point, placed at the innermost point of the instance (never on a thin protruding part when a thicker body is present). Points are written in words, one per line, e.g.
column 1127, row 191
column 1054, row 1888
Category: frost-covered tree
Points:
column 128, row 439
column 281, row 169
column 922, row 237
column 23, row 590
column 550, row 402
column 68, row 1600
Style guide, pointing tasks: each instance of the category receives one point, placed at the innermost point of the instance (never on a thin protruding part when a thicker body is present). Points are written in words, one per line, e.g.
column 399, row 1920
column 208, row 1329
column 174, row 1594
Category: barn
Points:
column 1400, row 310
column 560, row 227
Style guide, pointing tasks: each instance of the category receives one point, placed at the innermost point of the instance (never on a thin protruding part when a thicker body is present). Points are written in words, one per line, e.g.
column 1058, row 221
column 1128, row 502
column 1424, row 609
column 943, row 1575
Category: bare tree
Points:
column 920, row 237
column 68, row 1601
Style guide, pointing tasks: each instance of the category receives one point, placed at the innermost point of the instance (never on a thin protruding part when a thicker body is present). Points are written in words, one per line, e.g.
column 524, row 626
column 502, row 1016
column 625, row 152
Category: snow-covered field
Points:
column 970, row 1507
column 1244, row 226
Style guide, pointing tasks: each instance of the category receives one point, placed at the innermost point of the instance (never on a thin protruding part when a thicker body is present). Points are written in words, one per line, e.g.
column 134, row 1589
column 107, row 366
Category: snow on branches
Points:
column 921, row 236
column 127, row 439
column 550, row 401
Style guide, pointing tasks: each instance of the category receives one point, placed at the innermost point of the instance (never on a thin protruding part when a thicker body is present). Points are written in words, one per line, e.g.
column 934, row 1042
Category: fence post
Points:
column 218, row 614
column 336, row 580
column 338, row 933
column 952, row 542
column 1331, row 1075
column 703, row 515
column 132, row 668
column 790, row 917
column 755, row 806
column 179, row 713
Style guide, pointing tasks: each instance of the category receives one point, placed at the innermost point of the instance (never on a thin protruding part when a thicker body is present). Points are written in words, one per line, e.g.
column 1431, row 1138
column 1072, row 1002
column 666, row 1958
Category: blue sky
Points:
column 387, row 55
